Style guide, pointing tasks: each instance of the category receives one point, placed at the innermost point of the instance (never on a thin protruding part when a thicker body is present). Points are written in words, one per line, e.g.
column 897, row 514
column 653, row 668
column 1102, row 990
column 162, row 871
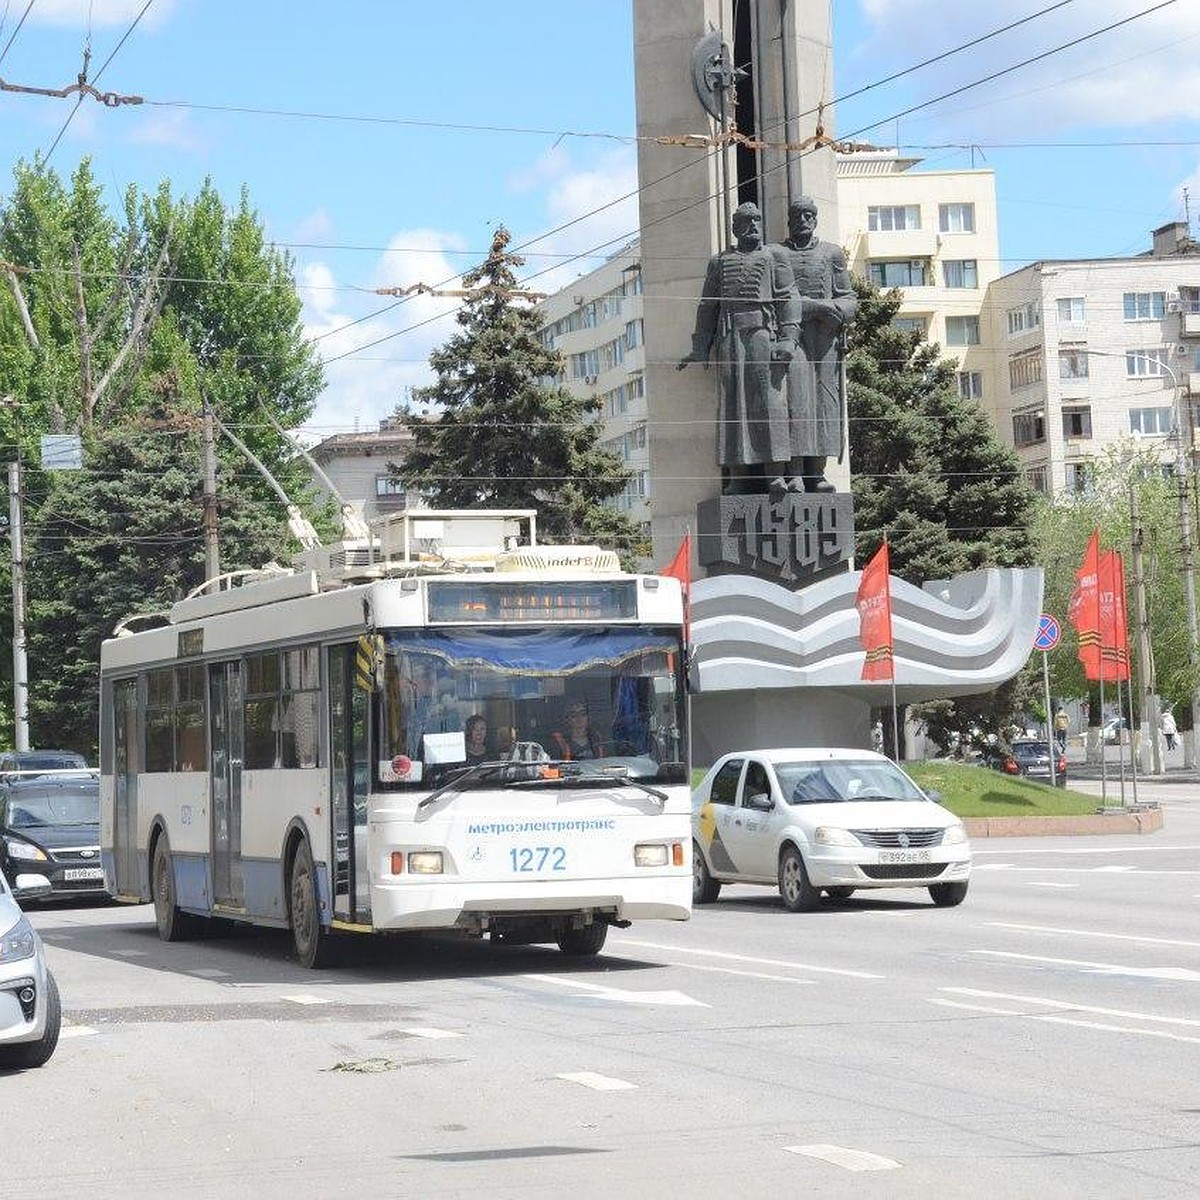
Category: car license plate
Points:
column 77, row 873
column 903, row 856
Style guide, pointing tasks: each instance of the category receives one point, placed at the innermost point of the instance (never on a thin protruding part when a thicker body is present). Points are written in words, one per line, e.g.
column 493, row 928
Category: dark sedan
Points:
column 50, row 825
column 1031, row 759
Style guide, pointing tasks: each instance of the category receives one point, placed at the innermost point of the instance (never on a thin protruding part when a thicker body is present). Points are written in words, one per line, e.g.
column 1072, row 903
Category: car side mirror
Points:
column 935, row 796
column 759, row 801
column 31, row 887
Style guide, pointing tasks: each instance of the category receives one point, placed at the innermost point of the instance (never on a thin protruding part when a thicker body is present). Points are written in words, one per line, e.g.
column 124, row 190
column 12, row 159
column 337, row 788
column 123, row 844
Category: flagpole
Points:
column 895, row 716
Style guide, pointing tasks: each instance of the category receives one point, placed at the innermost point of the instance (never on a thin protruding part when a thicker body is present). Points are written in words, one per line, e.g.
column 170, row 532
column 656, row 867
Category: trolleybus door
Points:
column 349, row 785
column 226, row 740
column 125, row 795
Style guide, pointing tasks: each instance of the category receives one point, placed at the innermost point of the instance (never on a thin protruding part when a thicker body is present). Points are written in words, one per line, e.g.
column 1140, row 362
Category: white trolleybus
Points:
column 293, row 751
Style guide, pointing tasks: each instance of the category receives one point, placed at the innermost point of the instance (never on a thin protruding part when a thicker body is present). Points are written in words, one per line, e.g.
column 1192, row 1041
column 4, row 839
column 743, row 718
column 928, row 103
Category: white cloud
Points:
column 97, row 14
column 1141, row 73
column 393, row 335
column 168, row 127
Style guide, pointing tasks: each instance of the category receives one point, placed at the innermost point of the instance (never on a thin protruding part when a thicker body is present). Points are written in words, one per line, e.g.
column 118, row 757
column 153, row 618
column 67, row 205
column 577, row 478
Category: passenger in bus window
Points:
column 579, row 739
column 476, row 731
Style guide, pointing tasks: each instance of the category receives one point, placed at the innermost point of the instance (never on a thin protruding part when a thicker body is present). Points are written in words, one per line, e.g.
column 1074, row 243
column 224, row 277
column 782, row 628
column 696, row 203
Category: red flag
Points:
column 680, row 567
column 874, row 603
column 1114, row 635
column 1084, row 609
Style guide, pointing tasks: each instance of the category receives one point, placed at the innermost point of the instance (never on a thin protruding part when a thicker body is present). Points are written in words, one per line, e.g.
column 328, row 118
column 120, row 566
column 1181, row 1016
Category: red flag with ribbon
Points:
column 1084, row 609
column 680, row 567
column 874, row 603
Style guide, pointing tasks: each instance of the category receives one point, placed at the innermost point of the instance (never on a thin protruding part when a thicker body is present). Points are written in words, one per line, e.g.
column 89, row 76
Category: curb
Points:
column 1140, row 820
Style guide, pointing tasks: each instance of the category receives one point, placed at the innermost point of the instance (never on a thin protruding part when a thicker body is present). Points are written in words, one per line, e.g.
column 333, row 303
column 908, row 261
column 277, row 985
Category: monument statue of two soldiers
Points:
column 771, row 318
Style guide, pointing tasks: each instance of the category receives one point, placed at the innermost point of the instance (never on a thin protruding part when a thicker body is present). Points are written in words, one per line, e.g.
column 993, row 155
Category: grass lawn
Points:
column 980, row 792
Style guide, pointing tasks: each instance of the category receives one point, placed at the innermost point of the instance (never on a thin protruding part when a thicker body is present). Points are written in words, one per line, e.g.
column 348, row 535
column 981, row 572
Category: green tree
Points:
column 930, row 474
column 119, row 329
column 507, row 436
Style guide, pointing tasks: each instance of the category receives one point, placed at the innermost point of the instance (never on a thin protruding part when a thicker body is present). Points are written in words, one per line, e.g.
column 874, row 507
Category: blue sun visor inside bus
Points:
column 534, row 652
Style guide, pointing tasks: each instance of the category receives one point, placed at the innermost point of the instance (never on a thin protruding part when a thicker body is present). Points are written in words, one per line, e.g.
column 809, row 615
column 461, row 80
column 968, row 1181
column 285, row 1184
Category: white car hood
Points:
column 876, row 814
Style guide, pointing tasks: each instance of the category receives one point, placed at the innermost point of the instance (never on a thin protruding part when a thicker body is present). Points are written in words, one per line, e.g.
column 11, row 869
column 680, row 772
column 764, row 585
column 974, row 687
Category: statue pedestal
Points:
column 794, row 540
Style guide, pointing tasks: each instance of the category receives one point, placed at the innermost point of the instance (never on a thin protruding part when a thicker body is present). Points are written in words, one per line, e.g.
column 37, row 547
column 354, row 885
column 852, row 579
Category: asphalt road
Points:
column 1041, row 1040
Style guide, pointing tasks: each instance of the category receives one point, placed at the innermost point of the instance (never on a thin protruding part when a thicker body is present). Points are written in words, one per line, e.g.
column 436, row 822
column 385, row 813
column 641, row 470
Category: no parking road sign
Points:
column 1049, row 631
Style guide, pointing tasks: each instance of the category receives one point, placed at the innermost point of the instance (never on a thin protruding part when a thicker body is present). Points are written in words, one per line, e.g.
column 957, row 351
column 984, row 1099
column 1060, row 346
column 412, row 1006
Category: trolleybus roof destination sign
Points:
column 494, row 600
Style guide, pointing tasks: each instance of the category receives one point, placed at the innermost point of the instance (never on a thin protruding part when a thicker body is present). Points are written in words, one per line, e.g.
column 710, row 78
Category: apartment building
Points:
column 596, row 325
column 356, row 464
column 932, row 234
column 1093, row 354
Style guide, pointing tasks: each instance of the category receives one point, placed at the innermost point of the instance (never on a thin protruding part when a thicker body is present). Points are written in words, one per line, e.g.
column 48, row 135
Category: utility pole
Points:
column 1150, row 707
column 20, row 663
column 212, row 552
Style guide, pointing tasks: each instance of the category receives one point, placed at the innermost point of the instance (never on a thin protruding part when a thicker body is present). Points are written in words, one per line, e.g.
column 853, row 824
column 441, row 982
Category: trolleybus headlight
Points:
column 425, row 862
column 649, row 855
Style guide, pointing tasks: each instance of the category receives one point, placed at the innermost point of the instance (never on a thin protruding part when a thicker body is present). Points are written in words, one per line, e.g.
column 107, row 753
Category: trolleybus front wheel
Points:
column 581, row 943
column 174, row 925
column 313, row 941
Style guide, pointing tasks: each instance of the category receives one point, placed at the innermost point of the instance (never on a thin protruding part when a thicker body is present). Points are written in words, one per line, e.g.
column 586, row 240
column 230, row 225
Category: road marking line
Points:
column 1011, row 853
column 1114, row 867
column 599, row 1083
column 841, row 1156
column 209, row 973
column 735, row 971
column 1095, row 933
column 1047, row 884
column 1179, row 974
column 622, row 995
column 305, row 999
column 999, row 1012
column 1071, row 1006
column 747, row 958
column 1140, row 872
column 421, row 1031
column 77, row 1031
column 132, row 953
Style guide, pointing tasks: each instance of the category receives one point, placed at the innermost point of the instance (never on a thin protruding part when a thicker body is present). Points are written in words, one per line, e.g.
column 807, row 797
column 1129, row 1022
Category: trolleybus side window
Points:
column 282, row 707
column 160, row 747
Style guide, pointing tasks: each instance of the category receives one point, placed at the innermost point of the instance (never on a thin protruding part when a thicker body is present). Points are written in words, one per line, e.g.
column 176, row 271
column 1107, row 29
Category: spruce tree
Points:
column 505, row 433
column 928, row 468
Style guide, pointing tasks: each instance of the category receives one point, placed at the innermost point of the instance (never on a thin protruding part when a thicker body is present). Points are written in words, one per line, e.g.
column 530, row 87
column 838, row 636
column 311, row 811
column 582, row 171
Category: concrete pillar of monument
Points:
column 687, row 192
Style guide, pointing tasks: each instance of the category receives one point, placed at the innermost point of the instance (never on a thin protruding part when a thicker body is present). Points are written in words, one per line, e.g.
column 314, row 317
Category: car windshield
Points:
column 50, row 760
column 832, row 780
column 60, row 808
column 1031, row 749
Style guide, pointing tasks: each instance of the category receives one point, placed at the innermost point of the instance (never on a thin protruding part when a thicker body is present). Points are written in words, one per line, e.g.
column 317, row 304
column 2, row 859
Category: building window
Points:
column 961, row 273
column 883, row 218
column 1077, row 422
column 1153, row 421
column 1072, row 310
column 1072, row 364
column 1029, row 428
column 1189, row 299
column 1143, row 363
column 388, row 485
column 910, row 324
column 1038, row 479
column 906, row 273
column 970, row 385
column 1023, row 318
column 585, row 366
column 633, row 334
column 962, row 331
column 1025, row 369
column 1079, row 477
column 956, row 218
column 1145, row 306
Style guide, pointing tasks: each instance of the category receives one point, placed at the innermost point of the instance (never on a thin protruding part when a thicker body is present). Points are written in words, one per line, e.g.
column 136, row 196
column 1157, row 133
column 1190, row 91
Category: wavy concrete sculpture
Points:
column 952, row 638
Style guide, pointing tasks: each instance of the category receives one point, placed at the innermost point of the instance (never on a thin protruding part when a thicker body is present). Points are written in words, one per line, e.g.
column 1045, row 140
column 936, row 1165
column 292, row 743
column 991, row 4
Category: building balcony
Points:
column 1190, row 324
column 899, row 243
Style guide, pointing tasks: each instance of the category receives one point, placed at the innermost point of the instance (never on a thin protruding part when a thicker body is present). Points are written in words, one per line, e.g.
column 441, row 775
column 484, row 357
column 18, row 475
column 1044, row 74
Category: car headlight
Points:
column 955, row 835
column 831, row 835
column 19, row 942
column 23, row 850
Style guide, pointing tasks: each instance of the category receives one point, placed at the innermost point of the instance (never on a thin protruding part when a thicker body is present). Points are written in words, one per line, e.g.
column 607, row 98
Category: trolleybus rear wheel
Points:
column 174, row 925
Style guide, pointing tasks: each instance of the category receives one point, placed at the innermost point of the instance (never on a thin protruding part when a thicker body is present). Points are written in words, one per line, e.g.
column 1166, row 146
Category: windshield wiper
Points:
column 618, row 775
column 545, row 771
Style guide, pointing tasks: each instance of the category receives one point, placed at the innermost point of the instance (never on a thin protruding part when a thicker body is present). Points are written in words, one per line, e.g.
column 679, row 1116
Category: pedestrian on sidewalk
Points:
column 1170, row 731
column 1062, row 724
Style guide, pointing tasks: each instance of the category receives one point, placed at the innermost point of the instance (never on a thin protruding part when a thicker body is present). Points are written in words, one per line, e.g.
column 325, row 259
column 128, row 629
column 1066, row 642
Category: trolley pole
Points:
column 20, row 662
column 212, row 552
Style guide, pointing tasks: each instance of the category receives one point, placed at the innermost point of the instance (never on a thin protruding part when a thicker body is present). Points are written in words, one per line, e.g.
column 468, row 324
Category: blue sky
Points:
column 413, row 129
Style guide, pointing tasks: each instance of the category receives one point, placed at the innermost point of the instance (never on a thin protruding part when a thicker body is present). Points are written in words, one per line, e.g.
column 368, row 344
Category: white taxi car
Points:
column 810, row 821
column 30, row 1010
